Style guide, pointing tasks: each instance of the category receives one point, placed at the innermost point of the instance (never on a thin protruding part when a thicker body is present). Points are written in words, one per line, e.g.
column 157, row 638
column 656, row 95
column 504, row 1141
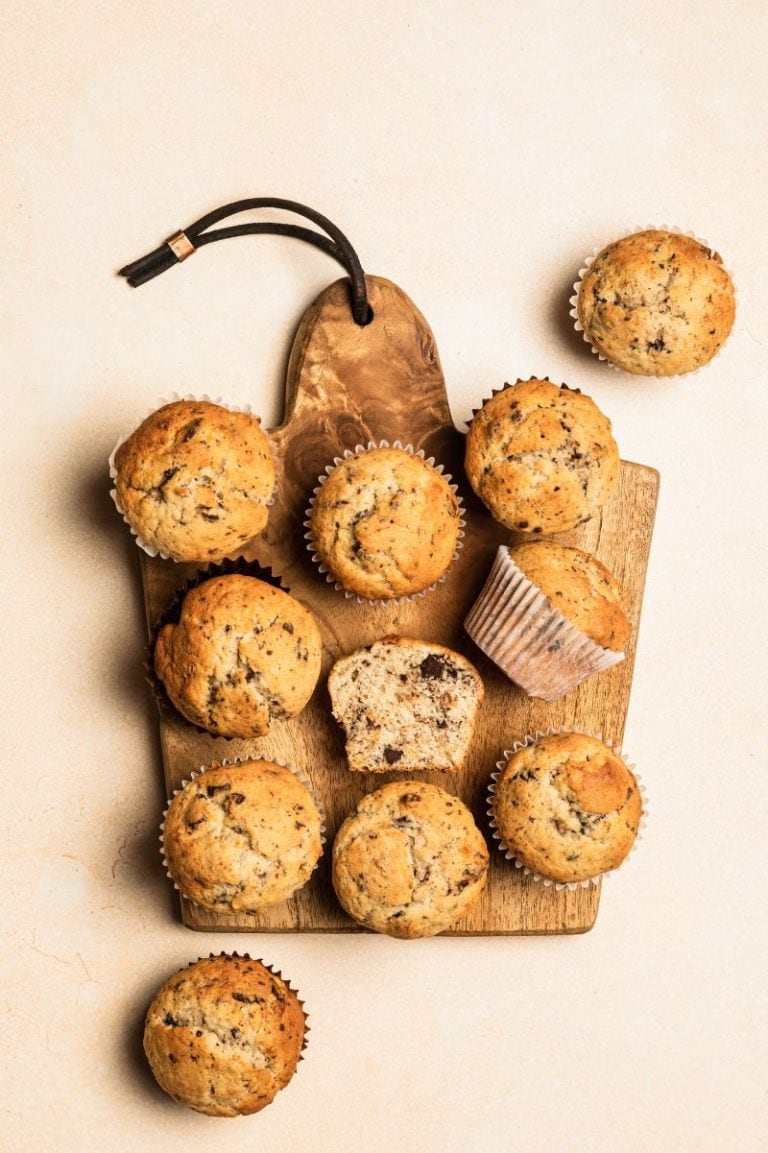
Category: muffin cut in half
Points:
column 406, row 705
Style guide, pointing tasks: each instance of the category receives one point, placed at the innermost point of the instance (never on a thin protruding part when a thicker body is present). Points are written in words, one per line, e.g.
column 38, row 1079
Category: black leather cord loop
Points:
column 201, row 232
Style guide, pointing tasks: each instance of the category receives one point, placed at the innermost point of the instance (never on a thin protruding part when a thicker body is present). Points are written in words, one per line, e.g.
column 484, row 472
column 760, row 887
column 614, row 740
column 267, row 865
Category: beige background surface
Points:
column 474, row 153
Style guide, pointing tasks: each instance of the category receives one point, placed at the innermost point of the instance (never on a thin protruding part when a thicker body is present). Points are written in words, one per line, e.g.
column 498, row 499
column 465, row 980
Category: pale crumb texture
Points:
column 224, row 1035
column 656, row 303
column 194, row 480
column 405, row 705
column 410, row 861
column 568, row 807
column 385, row 524
column 580, row 587
column 239, row 838
column 541, row 457
column 242, row 655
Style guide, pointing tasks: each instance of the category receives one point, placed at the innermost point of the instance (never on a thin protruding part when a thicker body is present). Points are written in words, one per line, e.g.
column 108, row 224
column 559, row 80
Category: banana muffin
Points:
column 541, row 457
column 405, row 705
column 241, row 837
column 242, row 654
column 384, row 524
column 656, row 303
column 549, row 615
column 224, row 1035
column 194, row 481
column 567, row 807
column 409, row 861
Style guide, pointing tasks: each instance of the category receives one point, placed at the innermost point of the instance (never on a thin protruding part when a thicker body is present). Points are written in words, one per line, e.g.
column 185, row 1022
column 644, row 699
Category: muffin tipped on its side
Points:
column 405, row 705
column 580, row 587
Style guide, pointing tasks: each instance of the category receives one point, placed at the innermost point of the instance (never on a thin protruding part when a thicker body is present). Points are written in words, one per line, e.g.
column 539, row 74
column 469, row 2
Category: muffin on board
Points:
column 656, row 303
column 194, row 481
column 567, row 807
column 242, row 837
column 541, row 457
column 224, row 1035
column 405, row 705
column 409, row 861
column 242, row 655
column 384, row 523
column 549, row 615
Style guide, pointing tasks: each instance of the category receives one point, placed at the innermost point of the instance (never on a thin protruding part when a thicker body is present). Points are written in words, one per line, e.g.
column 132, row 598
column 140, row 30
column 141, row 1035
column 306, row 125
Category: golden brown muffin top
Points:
column 567, row 806
column 224, row 1035
column 578, row 586
column 409, row 861
column 194, row 480
column 656, row 303
column 541, row 457
column 242, row 654
column 242, row 837
column 385, row 524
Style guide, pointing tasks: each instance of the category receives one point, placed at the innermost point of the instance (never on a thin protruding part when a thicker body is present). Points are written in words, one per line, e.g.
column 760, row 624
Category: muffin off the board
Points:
column 656, row 303
column 194, row 481
column 224, row 1035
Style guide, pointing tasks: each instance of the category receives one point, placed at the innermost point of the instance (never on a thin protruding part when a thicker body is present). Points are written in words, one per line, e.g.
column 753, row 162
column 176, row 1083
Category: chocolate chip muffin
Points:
column 579, row 586
column 541, row 457
column 242, row 655
column 224, row 1035
column 241, row 837
column 405, row 705
column 549, row 616
column 384, row 524
column 567, row 807
column 410, row 861
column 656, row 303
column 194, row 481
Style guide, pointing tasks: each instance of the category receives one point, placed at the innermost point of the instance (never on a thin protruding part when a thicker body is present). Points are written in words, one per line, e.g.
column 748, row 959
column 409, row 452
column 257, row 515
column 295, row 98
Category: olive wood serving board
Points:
column 348, row 385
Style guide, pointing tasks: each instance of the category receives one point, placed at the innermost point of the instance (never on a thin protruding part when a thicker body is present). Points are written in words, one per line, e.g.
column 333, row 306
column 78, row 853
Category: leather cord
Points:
column 202, row 232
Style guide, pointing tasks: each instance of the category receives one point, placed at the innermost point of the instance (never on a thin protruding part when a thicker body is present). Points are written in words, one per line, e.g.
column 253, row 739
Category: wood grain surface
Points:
column 348, row 385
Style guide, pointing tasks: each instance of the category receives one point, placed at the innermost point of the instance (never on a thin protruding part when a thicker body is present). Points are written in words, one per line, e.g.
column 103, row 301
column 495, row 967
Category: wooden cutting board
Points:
column 348, row 385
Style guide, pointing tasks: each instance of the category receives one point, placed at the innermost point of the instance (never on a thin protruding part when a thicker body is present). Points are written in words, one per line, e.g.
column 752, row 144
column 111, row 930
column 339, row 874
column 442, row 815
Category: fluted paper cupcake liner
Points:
column 149, row 549
column 517, row 626
column 589, row 261
column 511, row 855
column 171, row 615
column 357, row 450
column 512, row 384
column 300, row 776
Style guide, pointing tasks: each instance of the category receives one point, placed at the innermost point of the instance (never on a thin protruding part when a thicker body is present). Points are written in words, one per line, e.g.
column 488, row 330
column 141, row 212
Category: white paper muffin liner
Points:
column 363, row 448
column 270, row 969
column 589, row 260
column 233, row 761
column 516, row 625
column 511, row 855
column 150, row 549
